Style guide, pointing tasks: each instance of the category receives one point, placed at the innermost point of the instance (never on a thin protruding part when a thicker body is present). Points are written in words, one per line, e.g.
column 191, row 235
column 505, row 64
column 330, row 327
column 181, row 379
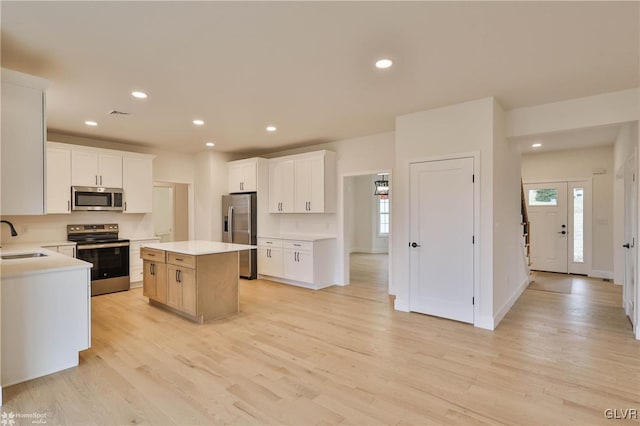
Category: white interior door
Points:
column 630, row 236
column 547, row 209
column 163, row 213
column 442, row 257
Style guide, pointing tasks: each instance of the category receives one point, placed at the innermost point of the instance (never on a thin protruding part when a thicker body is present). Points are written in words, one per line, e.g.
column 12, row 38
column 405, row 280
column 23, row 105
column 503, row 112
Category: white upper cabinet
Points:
column 58, row 179
column 23, row 144
column 243, row 175
column 73, row 165
column 303, row 183
column 137, row 179
column 110, row 170
column 281, row 186
column 93, row 168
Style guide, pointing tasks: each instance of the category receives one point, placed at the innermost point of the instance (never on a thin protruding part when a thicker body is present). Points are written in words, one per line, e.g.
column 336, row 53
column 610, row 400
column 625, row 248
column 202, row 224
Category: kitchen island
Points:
column 195, row 279
column 46, row 311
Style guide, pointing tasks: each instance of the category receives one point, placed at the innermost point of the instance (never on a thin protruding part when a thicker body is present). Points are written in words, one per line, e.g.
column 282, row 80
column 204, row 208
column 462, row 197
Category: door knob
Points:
column 563, row 232
column 626, row 245
column 414, row 245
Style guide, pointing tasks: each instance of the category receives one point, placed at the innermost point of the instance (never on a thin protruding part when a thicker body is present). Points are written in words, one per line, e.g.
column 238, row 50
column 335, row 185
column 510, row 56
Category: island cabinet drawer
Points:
column 298, row 245
column 269, row 242
column 152, row 254
column 180, row 259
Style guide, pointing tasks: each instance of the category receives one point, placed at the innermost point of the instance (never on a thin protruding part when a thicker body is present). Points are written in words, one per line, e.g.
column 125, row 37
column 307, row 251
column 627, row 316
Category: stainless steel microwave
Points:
column 91, row 198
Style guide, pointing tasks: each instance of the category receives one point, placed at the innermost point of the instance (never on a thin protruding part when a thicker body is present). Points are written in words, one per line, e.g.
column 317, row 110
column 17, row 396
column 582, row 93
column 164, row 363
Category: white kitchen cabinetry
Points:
column 305, row 263
column 281, row 185
column 270, row 257
column 58, row 179
column 303, row 183
column 75, row 165
column 46, row 320
column 137, row 180
column 94, row 168
column 136, row 271
column 23, row 144
column 243, row 175
column 68, row 249
column 298, row 261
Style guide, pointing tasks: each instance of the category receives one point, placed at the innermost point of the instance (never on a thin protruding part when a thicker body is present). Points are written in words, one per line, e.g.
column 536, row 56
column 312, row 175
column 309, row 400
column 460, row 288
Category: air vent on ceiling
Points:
column 116, row 112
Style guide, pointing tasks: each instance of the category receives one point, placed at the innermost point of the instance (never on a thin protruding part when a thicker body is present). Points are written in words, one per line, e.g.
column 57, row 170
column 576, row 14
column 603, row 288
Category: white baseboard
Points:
column 484, row 321
column 367, row 250
column 510, row 302
column 379, row 251
column 401, row 305
column 601, row 274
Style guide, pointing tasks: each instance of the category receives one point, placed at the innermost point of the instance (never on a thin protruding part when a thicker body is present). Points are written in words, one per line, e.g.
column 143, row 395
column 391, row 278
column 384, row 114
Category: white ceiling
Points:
column 306, row 67
column 581, row 138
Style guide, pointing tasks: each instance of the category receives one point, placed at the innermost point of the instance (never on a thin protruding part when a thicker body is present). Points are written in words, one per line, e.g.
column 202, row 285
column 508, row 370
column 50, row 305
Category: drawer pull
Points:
column 151, row 254
column 179, row 259
column 298, row 245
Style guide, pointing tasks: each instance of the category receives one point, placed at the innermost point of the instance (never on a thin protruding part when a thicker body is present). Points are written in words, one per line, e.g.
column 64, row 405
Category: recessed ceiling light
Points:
column 384, row 63
column 139, row 95
column 198, row 122
column 536, row 145
column 271, row 128
column 91, row 123
column 210, row 144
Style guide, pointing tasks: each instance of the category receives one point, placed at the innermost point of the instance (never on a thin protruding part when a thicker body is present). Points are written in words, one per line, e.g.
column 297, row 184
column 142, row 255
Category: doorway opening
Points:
column 171, row 211
column 367, row 229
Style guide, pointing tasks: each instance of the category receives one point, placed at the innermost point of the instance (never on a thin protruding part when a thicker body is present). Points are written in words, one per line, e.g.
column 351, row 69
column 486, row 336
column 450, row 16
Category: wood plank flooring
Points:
column 343, row 356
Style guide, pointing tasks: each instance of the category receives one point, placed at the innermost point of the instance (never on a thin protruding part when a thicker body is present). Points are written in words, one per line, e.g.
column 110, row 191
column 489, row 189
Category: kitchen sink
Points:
column 22, row 255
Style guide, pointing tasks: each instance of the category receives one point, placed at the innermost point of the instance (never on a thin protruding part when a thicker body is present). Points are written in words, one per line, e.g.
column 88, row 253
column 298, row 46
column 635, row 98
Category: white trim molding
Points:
column 498, row 317
column 608, row 275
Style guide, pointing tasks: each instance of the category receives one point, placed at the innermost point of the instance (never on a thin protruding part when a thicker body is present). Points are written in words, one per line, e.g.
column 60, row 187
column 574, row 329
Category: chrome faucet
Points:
column 13, row 229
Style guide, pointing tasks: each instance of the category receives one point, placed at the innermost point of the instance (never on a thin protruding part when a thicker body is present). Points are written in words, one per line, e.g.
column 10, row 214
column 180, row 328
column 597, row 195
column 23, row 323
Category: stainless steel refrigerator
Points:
column 239, row 225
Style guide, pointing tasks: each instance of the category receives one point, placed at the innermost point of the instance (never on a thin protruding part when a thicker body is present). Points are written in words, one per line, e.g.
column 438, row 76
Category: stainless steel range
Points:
column 100, row 245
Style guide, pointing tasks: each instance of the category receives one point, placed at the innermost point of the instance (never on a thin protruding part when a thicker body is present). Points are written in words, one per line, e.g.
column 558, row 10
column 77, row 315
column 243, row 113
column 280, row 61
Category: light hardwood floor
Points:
column 344, row 356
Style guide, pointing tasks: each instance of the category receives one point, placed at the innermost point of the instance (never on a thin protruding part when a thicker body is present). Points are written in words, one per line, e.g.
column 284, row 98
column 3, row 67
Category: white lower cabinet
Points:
column 66, row 249
column 136, row 267
column 307, row 264
column 270, row 257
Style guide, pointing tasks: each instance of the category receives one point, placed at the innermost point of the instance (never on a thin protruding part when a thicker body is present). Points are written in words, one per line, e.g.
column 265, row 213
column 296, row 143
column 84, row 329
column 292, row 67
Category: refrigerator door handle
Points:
column 230, row 215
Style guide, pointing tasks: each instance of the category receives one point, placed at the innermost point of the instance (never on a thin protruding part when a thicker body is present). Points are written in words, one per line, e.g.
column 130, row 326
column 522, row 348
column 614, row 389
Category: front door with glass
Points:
column 559, row 213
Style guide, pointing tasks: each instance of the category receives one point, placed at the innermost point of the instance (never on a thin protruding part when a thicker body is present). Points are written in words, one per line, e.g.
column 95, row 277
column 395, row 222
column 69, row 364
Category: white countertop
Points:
column 298, row 237
column 198, row 247
column 40, row 244
column 52, row 262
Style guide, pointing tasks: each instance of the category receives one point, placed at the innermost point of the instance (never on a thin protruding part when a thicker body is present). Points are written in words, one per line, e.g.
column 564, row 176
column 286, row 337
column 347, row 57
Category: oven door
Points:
column 110, row 260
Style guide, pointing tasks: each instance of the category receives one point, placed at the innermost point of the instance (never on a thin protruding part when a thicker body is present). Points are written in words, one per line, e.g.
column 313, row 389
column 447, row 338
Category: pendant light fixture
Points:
column 382, row 185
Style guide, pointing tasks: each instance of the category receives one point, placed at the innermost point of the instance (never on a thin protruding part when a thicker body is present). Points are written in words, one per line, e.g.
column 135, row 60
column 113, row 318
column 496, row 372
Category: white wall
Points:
column 362, row 215
column 510, row 276
column 591, row 111
column 625, row 145
column 457, row 129
column 580, row 164
column 210, row 185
